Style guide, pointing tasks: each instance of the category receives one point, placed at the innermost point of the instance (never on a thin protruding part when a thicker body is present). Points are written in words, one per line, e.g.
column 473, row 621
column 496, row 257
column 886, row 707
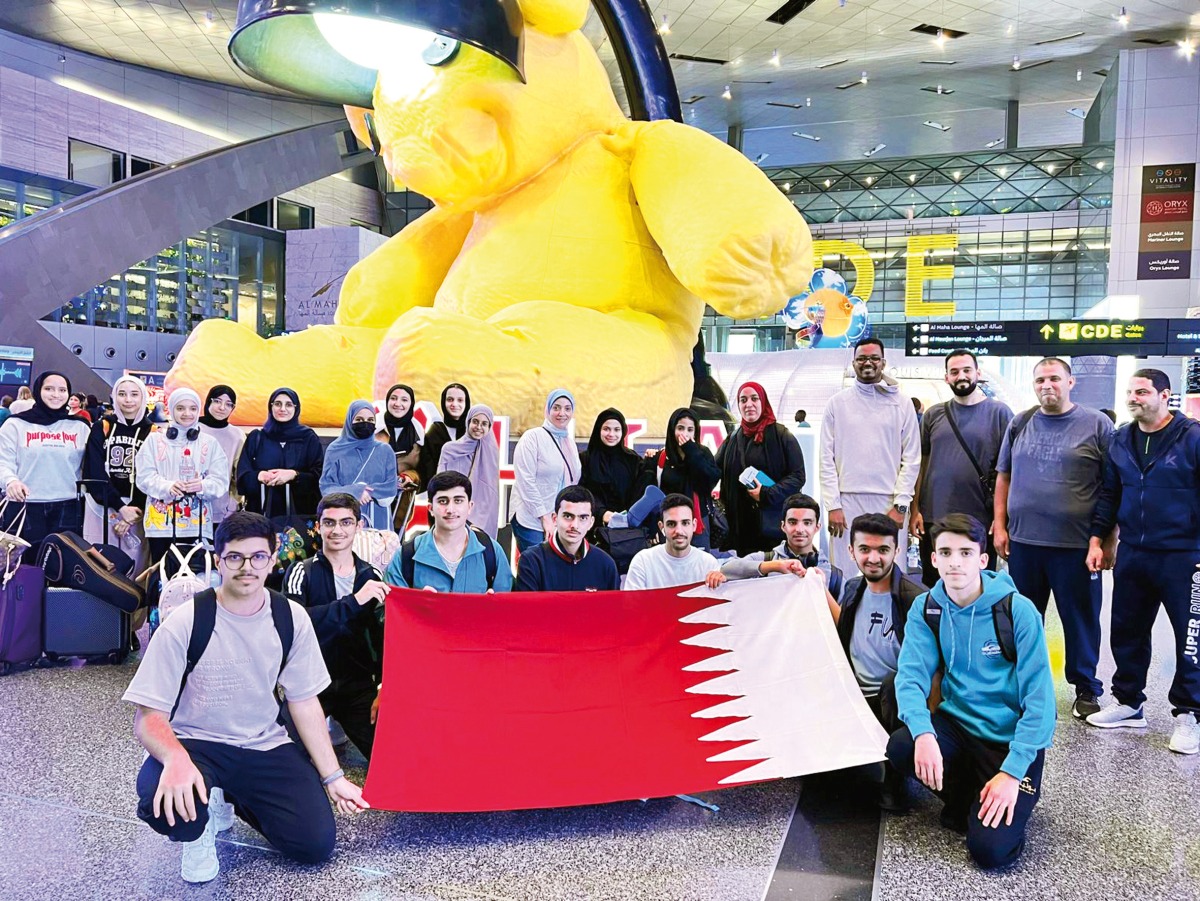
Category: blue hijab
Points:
column 353, row 463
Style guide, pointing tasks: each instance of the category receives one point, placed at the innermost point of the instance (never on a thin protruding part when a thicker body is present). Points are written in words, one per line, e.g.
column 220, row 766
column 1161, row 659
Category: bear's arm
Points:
column 736, row 242
column 405, row 272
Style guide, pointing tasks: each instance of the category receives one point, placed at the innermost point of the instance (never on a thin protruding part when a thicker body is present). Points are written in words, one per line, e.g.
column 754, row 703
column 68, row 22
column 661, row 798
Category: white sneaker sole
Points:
column 196, row 878
column 1120, row 724
column 1192, row 750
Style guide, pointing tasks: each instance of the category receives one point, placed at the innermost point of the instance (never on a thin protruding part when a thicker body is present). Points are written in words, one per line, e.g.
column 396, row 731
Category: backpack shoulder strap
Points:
column 285, row 626
column 408, row 566
column 933, row 619
column 203, row 622
column 1018, row 425
column 1002, row 619
column 490, row 563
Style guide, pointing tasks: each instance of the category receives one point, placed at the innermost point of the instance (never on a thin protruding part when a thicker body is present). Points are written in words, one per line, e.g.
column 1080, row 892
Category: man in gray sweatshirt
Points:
column 870, row 453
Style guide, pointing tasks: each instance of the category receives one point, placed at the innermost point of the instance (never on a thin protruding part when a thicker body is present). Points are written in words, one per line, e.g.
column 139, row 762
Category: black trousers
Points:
column 349, row 702
column 1144, row 580
column 968, row 764
column 44, row 518
column 278, row 792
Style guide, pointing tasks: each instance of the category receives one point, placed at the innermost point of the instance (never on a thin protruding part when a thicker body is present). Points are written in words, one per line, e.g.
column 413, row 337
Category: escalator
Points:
column 65, row 251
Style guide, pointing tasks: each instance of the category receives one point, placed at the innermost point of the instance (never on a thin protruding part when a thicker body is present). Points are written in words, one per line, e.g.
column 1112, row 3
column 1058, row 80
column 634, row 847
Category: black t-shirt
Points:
column 1147, row 444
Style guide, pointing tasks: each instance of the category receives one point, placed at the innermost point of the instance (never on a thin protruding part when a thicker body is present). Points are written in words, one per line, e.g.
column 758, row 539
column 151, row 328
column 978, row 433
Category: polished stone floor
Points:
column 1119, row 819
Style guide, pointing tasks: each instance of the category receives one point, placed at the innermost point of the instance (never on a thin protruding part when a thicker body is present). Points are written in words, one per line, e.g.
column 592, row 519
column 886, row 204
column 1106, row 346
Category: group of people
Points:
column 953, row 663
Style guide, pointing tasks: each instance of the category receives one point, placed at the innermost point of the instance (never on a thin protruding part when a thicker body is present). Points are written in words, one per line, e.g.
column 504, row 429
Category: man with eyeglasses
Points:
column 568, row 562
column 209, row 715
column 870, row 453
column 343, row 594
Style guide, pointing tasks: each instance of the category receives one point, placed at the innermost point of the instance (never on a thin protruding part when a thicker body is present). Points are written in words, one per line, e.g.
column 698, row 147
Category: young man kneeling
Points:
column 983, row 749
column 209, row 717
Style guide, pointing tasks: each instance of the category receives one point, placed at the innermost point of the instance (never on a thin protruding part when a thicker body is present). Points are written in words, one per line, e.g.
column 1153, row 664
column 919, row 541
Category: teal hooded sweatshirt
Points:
column 991, row 698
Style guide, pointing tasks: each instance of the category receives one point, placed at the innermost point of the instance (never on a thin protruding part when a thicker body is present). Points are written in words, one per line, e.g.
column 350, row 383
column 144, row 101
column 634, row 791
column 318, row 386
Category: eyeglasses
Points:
column 865, row 359
column 338, row 523
column 258, row 560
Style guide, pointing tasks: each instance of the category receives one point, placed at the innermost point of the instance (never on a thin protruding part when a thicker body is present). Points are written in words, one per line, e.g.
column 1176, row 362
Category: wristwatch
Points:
column 901, row 508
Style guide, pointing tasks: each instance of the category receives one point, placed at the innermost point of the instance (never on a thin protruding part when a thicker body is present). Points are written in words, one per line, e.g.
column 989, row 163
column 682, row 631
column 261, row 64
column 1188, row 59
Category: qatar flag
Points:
column 512, row 701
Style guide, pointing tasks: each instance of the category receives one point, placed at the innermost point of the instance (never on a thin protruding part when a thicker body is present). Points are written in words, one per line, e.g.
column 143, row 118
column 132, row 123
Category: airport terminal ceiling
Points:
column 854, row 72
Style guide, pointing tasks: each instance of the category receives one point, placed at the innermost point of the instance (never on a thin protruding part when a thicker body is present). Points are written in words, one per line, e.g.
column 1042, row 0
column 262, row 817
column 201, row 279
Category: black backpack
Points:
column 408, row 553
column 1002, row 619
column 205, row 620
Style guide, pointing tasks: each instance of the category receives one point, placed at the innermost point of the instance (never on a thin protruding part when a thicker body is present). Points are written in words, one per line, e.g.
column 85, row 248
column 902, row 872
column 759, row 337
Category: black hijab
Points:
column 674, row 451
column 611, row 466
column 456, row 427
column 40, row 413
column 284, row 431
column 401, row 430
column 213, row 393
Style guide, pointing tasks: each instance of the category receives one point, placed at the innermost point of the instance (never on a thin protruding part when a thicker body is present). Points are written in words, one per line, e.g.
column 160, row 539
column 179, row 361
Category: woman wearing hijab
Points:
column 614, row 474
column 477, row 456
column 753, row 507
column 41, row 455
column 108, row 469
column 214, row 421
column 546, row 461
column 405, row 436
column 687, row 467
column 358, row 465
column 283, row 457
column 456, row 400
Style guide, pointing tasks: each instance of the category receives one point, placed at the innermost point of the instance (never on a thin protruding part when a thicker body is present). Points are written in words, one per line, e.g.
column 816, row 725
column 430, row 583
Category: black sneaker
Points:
column 893, row 793
column 1085, row 705
column 954, row 820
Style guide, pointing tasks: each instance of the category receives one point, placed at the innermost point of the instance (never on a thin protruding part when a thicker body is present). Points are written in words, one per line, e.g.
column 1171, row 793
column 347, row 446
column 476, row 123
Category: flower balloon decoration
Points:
column 827, row 314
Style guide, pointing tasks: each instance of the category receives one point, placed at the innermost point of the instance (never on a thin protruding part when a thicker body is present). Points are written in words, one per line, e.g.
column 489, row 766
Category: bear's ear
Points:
column 554, row 16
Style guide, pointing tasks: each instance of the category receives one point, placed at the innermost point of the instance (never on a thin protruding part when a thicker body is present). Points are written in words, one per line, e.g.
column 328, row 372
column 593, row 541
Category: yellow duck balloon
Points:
column 568, row 247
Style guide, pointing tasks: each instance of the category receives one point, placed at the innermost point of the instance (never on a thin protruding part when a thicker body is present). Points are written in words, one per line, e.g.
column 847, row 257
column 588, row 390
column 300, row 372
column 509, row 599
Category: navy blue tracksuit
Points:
column 1152, row 492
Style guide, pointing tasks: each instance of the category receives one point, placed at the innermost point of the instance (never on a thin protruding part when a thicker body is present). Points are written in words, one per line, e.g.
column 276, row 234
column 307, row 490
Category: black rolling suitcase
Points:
column 79, row 624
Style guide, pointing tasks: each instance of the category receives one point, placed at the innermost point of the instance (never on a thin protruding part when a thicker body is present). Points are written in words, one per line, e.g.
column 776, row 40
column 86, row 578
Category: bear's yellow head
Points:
column 467, row 131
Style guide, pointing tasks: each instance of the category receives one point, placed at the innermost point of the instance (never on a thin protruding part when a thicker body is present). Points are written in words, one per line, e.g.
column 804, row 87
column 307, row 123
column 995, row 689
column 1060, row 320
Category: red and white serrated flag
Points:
column 512, row 701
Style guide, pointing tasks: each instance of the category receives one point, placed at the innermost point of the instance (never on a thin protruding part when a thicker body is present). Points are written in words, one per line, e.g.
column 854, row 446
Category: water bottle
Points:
column 187, row 466
column 914, row 557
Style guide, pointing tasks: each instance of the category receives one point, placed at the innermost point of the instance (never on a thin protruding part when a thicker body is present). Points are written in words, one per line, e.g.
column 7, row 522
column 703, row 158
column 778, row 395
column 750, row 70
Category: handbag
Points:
column 987, row 480
column 296, row 536
column 624, row 544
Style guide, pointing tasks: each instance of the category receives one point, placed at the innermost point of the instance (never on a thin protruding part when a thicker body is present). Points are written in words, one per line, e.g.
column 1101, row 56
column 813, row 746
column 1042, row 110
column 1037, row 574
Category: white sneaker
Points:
column 219, row 810
column 1186, row 737
column 199, row 863
column 1119, row 716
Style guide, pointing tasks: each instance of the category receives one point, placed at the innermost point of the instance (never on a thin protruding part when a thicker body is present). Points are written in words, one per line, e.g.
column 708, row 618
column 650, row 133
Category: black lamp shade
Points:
column 277, row 41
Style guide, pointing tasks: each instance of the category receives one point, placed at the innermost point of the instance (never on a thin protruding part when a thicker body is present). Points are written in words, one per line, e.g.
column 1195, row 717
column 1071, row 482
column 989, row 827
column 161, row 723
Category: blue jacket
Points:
column 429, row 569
column 1157, row 507
column 991, row 698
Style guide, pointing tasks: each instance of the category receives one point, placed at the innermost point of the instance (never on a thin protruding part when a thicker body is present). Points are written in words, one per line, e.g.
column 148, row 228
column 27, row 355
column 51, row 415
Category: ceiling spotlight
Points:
column 863, row 78
column 995, row 143
column 1077, row 113
column 957, row 176
column 775, row 58
column 874, row 150
column 940, row 40
column 912, row 177
column 1004, row 171
column 1100, row 165
column 1187, row 47
column 806, row 136
column 1016, row 63
column 827, row 182
column 870, row 179
column 787, row 186
column 665, row 26
column 808, row 101
column 1050, row 168
column 1123, row 18
column 727, row 94
column 1079, row 74
column 938, row 125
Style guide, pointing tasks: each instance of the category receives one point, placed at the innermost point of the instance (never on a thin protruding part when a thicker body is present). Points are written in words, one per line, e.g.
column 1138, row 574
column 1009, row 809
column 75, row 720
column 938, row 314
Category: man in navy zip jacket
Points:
column 1151, row 490
column 983, row 749
column 567, row 562
column 343, row 595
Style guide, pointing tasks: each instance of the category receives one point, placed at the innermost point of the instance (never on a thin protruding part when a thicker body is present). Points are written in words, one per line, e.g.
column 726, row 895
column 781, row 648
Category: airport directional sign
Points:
column 1049, row 337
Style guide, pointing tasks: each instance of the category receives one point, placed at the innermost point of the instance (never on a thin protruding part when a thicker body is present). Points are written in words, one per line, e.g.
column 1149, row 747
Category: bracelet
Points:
column 333, row 777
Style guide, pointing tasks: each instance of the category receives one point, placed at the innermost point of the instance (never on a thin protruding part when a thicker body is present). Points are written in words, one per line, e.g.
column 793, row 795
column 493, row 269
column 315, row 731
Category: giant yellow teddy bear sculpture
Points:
column 568, row 246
